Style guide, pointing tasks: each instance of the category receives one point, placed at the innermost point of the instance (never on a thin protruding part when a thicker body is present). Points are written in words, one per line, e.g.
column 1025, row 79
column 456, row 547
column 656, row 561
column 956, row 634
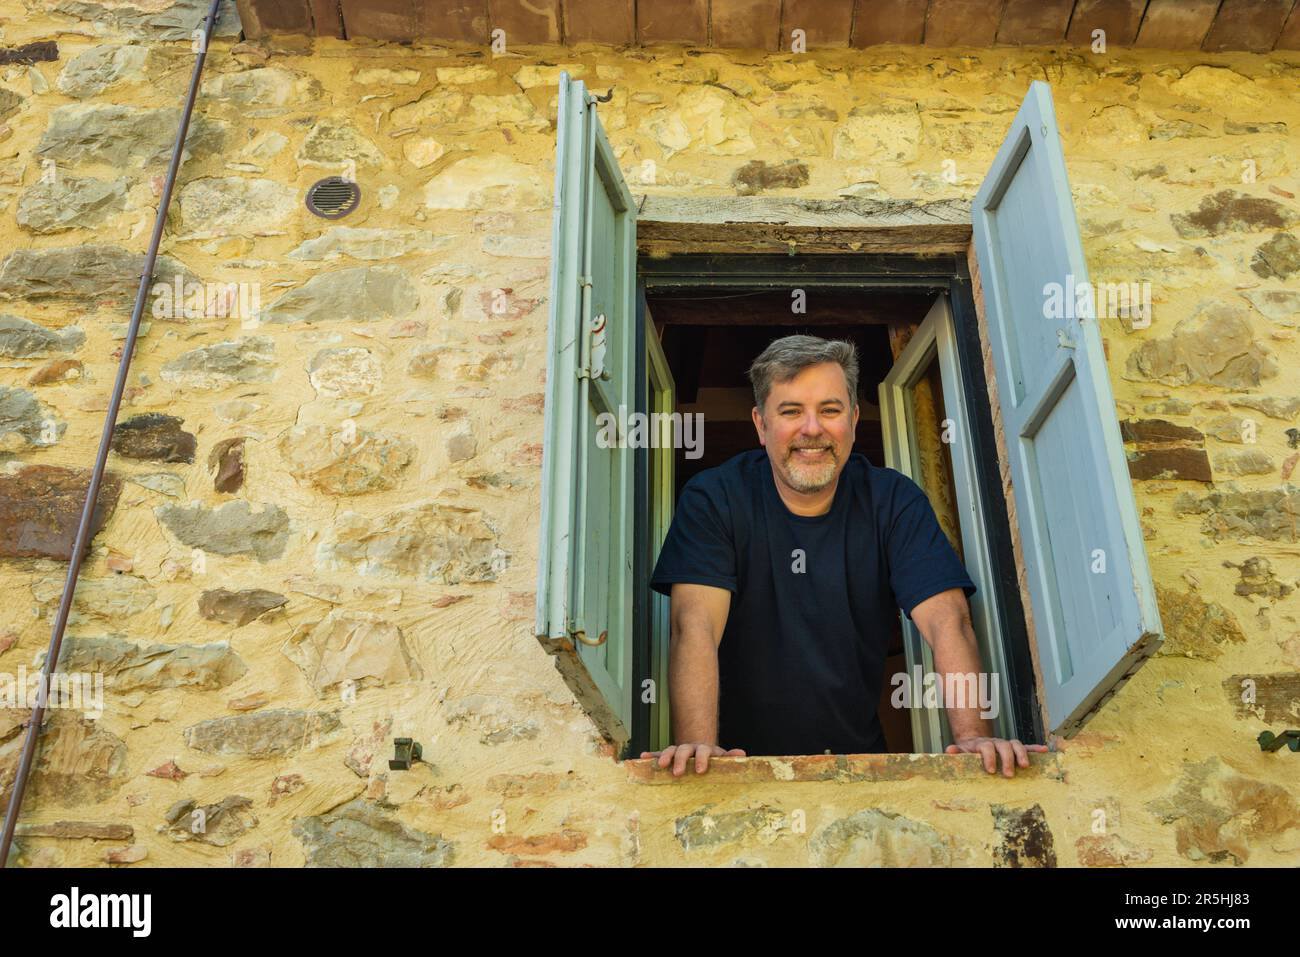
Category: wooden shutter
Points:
column 584, row 593
column 1073, row 495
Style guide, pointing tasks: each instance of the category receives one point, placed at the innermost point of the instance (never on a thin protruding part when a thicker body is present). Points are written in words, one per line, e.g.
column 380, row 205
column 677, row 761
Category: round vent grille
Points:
column 333, row 197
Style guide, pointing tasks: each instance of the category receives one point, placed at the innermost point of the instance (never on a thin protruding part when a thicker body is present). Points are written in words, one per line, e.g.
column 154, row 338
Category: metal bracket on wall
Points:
column 1268, row 741
column 406, row 751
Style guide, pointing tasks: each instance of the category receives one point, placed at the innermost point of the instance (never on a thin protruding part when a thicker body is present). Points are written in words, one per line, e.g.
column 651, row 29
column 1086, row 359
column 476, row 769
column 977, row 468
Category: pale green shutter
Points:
column 1093, row 602
column 584, row 594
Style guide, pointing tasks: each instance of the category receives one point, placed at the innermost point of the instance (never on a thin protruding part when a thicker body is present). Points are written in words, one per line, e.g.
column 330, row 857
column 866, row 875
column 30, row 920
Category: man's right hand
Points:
column 679, row 755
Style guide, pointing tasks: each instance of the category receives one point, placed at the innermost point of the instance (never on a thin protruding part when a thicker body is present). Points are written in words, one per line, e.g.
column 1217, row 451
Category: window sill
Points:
column 843, row 768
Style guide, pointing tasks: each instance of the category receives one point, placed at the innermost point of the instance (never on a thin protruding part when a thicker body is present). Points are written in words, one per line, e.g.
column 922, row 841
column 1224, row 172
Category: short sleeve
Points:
column 922, row 562
column 699, row 547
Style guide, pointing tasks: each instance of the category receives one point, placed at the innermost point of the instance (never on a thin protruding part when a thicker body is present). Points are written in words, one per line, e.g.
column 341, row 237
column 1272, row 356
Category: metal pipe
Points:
column 82, row 539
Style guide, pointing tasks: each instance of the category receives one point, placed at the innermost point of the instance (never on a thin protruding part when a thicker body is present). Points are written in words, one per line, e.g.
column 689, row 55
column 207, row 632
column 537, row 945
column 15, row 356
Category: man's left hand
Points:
column 1012, row 752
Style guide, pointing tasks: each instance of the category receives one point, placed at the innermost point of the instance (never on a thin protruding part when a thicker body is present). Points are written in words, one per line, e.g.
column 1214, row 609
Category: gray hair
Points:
column 785, row 358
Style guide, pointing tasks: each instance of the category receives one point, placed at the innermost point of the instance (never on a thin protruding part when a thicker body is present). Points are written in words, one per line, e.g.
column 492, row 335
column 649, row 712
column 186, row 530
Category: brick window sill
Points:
column 842, row 768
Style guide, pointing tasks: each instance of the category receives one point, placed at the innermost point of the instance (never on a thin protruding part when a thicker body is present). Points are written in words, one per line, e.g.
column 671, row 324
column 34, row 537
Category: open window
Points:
column 716, row 281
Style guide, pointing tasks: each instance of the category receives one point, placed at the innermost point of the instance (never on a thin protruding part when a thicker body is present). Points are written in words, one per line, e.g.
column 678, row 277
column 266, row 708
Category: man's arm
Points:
column 698, row 618
column 944, row 622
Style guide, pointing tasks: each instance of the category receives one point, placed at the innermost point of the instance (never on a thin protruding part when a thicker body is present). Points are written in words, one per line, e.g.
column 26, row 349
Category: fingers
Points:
column 989, row 754
column 1022, row 756
column 680, row 760
column 735, row 753
column 1007, row 754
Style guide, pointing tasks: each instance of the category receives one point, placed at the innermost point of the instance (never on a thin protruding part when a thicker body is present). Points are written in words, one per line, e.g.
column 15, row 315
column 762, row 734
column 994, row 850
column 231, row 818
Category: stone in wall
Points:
column 1258, row 579
column 876, row 838
column 1276, row 406
column 366, row 243
column 26, row 421
column 1195, row 628
column 345, row 462
column 226, row 460
column 41, row 505
column 358, row 294
column 1024, row 839
column 124, row 137
column 487, row 181
column 69, row 202
column 90, row 273
column 705, row 119
column 1232, row 211
column 78, row 762
column 153, row 436
column 1279, row 258
column 359, row 834
column 1231, row 513
column 238, row 608
column 875, row 135
column 757, row 176
column 334, row 143
column 1216, row 346
column 235, row 205
column 1277, row 305
column 10, row 103
column 1110, row 850
column 91, row 72
column 218, row 824
column 439, row 107
column 129, row 666
column 356, row 648
column 157, row 20
column 230, row 529
column 251, row 359
column 1249, row 462
column 262, row 734
column 262, row 86
column 113, row 598
column 493, row 717
column 24, row 339
column 1219, row 814
column 432, row 542
column 345, row 373
column 512, row 109
column 705, row 828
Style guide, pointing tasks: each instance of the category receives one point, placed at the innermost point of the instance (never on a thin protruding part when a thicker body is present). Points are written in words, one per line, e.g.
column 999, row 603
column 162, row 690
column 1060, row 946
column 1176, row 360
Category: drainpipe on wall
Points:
column 82, row 540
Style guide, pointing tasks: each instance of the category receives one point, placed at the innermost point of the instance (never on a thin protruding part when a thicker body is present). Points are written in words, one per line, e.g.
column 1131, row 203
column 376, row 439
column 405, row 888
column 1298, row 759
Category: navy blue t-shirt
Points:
column 801, row 663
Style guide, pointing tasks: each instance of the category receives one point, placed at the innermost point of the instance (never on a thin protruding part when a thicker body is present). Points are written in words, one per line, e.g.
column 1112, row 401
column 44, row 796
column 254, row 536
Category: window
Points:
column 628, row 337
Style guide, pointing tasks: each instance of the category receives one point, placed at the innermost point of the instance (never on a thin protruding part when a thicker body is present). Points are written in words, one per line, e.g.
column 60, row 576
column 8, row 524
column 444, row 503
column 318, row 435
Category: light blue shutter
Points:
column 584, row 593
column 1074, row 498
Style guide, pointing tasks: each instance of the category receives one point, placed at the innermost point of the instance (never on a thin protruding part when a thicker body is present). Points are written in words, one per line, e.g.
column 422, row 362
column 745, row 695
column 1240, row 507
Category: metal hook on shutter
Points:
column 582, row 637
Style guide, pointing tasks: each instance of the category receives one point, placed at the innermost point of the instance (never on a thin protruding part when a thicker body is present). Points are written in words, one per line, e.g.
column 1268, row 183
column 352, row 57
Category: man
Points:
column 784, row 566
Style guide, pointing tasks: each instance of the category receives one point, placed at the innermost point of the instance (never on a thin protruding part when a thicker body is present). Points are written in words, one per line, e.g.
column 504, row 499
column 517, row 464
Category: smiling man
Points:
column 785, row 566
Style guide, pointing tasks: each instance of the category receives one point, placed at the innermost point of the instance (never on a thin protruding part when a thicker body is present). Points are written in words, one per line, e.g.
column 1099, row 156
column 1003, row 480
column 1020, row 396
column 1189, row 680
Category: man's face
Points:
column 807, row 427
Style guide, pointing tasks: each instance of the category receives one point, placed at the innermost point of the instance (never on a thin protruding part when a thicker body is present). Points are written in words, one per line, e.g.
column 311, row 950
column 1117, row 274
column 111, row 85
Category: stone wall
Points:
column 320, row 528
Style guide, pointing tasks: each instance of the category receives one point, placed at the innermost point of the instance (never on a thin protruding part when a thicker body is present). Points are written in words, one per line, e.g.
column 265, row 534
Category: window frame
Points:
column 934, row 341
column 937, row 274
